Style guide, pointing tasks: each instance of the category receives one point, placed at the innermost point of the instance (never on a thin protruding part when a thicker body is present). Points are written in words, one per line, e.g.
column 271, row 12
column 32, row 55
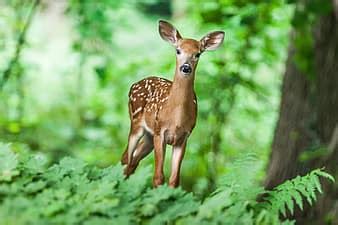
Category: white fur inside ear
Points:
column 212, row 40
column 169, row 33
column 175, row 39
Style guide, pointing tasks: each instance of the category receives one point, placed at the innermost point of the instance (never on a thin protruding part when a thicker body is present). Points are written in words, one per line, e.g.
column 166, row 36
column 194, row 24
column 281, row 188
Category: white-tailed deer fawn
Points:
column 164, row 112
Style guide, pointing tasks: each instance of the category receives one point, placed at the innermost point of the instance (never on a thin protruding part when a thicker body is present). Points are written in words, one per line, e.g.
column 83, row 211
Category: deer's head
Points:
column 188, row 50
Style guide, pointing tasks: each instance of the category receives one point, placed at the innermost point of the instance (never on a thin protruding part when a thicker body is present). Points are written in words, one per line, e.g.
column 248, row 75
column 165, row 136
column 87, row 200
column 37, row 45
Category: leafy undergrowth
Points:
column 72, row 192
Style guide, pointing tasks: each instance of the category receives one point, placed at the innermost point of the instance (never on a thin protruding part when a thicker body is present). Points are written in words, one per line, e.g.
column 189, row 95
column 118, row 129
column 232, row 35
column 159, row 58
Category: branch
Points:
column 19, row 45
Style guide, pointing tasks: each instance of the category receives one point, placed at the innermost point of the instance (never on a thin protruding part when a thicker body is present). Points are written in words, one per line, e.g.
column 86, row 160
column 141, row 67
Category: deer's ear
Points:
column 168, row 32
column 212, row 40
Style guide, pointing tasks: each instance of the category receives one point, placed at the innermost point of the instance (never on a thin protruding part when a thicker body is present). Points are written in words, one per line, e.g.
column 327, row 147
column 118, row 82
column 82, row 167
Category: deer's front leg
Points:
column 159, row 149
column 176, row 161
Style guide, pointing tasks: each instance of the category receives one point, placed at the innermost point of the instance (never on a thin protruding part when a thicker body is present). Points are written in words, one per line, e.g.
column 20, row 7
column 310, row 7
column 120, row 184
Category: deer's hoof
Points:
column 157, row 181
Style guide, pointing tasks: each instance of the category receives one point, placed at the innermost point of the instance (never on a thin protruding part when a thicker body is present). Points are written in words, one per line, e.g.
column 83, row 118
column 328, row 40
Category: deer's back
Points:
column 148, row 96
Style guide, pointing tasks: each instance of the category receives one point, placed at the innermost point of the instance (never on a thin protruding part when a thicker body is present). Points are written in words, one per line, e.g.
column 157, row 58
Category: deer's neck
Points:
column 182, row 90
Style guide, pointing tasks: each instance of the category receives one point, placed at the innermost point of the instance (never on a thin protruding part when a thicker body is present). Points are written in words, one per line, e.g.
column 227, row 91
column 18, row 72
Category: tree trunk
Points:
column 326, row 63
column 309, row 117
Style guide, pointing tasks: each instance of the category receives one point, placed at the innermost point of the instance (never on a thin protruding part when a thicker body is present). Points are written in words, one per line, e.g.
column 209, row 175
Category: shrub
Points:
column 72, row 192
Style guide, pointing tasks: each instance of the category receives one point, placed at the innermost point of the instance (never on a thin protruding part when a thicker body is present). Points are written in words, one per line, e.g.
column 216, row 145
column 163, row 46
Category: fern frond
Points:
column 284, row 197
column 322, row 173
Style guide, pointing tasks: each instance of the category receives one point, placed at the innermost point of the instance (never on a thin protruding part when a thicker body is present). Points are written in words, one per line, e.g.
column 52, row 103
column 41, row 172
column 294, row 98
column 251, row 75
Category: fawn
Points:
column 164, row 112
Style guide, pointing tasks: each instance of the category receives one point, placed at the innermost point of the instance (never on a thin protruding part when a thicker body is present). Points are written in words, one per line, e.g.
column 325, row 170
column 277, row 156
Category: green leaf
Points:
column 70, row 164
column 36, row 163
column 298, row 198
column 35, row 187
column 136, row 183
column 316, row 182
column 214, row 205
column 8, row 163
column 283, row 195
column 289, row 202
column 181, row 207
column 324, row 174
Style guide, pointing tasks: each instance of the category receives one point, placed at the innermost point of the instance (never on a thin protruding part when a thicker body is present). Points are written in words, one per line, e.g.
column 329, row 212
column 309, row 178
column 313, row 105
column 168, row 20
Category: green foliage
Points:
column 73, row 192
column 8, row 163
column 71, row 97
column 94, row 27
column 284, row 197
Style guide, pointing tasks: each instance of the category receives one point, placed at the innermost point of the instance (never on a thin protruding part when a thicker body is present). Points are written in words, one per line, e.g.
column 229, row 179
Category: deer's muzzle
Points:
column 186, row 69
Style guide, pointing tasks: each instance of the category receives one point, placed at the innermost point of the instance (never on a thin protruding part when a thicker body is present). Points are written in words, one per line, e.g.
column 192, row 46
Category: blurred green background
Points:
column 67, row 67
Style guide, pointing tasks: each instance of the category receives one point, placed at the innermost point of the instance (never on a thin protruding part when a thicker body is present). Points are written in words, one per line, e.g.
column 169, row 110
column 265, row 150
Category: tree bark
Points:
column 326, row 64
column 309, row 117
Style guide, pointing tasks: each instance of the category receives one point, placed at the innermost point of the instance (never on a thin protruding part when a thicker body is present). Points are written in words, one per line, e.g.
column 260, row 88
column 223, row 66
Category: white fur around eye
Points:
column 181, row 55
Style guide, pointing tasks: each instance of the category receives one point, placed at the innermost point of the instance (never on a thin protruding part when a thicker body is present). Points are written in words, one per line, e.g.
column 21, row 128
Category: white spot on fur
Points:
column 137, row 111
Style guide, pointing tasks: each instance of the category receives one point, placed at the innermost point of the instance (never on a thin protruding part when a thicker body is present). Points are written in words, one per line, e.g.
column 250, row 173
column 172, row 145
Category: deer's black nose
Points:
column 186, row 68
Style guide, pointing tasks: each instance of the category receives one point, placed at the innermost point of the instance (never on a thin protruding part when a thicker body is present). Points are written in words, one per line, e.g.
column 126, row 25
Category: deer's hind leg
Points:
column 143, row 148
column 135, row 134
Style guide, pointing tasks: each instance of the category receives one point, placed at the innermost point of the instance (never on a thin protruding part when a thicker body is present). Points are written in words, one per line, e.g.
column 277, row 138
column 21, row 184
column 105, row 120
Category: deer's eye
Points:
column 178, row 51
column 197, row 55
